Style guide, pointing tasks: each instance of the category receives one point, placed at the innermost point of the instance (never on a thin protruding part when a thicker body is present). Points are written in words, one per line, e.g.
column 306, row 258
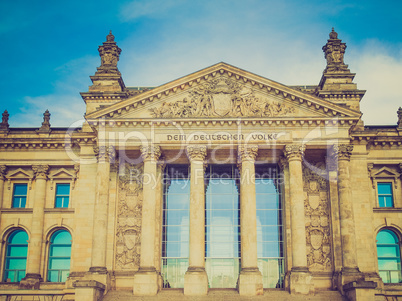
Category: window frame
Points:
column 399, row 244
column 55, row 194
column 48, row 259
column 6, row 248
column 19, row 183
column 377, row 194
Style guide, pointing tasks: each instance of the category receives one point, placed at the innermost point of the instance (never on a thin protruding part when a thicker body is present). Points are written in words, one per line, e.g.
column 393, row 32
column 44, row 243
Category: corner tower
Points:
column 336, row 84
column 107, row 83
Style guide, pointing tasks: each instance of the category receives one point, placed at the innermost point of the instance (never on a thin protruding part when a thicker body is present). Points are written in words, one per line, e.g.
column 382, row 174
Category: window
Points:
column 20, row 195
column 385, row 197
column 176, row 225
column 222, row 226
column 62, row 196
column 389, row 256
column 16, row 256
column 59, row 256
column 269, row 226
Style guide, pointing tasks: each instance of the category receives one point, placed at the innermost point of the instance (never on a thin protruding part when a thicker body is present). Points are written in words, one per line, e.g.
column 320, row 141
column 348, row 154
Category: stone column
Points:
column 300, row 278
column 336, row 230
column 3, row 171
column 33, row 276
column 195, row 279
column 350, row 271
column 146, row 279
column 250, row 278
column 99, row 240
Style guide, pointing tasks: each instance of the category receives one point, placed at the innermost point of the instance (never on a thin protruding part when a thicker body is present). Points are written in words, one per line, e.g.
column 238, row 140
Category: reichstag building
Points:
column 220, row 185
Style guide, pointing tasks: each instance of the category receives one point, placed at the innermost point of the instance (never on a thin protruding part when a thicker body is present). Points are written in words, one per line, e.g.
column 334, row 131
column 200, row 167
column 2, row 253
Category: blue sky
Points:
column 49, row 48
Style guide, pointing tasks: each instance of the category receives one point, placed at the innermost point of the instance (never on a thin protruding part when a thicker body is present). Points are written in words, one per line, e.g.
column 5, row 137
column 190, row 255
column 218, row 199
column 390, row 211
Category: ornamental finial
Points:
column 46, row 122
column 4, row 121
column 110, row 37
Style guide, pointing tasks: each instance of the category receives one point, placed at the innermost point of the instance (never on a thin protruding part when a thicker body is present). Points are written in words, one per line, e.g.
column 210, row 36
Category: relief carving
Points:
column 222, row 97
column 318, row 232
column 128, row 230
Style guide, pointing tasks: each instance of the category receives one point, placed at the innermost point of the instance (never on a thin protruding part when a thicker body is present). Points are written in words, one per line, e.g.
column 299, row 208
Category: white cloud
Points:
column 380, row 73
column 64, row 103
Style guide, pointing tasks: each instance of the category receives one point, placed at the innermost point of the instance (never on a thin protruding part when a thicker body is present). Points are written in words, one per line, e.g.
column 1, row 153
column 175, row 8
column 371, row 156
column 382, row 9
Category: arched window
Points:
column 59, row 256
column 16, row 256
column 389, row 256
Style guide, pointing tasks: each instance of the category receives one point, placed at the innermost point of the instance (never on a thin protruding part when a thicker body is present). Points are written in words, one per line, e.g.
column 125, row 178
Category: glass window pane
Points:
column 20, row 189
column 384, row 188
column 59, row 255
column 16, row 256
column 53, row 276
column 63, row 189
column 389, row 258
column 386, row 237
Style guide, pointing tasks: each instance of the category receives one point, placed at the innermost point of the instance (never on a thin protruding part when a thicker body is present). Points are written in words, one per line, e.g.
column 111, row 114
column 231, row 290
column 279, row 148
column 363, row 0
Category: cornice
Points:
column 288, row 93
column 290, row 121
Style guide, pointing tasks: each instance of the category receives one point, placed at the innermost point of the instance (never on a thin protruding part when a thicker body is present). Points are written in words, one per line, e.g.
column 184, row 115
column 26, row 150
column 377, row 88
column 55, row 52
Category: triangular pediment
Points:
column 20, row 174
column 220, row 92
column 61, row 173
column 385, row 172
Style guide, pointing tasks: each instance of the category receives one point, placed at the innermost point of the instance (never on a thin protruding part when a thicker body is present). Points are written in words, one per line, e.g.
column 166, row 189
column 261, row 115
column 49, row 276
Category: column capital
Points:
column 40, row 171
column 105, row 153
column 342, row 151
column 247, row 153
column 3, row 171
column 196, row 152
column 294, row 151
column 150, row 152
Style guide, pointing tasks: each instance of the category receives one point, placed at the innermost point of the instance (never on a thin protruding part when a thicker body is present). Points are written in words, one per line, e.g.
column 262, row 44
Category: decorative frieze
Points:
column 317, row 216
column 222, row 97
column 150, row 152
column 129, row 210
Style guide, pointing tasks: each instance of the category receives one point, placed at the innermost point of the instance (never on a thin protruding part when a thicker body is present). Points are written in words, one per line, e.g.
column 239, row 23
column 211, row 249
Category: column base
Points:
column 31, row 281
column 360, row 290
column 196, row 282
column 250, row 282
column 300, row 281
column 348, row 275
column 146, row 282
column 88, row 290
column 98, row 274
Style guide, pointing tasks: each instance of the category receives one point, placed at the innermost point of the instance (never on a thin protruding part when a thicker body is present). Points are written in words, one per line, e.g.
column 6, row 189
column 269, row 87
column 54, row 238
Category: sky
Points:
column 49, row 48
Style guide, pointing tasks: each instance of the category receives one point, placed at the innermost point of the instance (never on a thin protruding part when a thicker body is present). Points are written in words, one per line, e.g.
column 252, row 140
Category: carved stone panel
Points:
column 317, row 216
column 222, row 97
column 129, row 212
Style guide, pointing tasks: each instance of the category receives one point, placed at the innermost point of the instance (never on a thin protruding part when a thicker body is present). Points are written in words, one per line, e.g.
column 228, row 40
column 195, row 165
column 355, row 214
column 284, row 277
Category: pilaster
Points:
column 349, row 272
column 300, row 277
column 106, row 154
column 3, row 171
column 146, row 280
column 195, row 279
column 33, row 276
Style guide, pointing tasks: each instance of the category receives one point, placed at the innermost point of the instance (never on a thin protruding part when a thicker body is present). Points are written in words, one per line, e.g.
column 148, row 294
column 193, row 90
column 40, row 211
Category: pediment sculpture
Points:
column 222, row 97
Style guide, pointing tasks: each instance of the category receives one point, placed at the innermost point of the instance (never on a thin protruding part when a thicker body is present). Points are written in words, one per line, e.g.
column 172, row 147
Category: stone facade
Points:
column 332, row 168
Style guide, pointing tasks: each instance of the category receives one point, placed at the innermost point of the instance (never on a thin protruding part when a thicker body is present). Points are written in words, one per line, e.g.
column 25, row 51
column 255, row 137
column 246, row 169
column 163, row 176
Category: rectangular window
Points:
column 20, row 195
column 62, row 196
column 385, row 197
